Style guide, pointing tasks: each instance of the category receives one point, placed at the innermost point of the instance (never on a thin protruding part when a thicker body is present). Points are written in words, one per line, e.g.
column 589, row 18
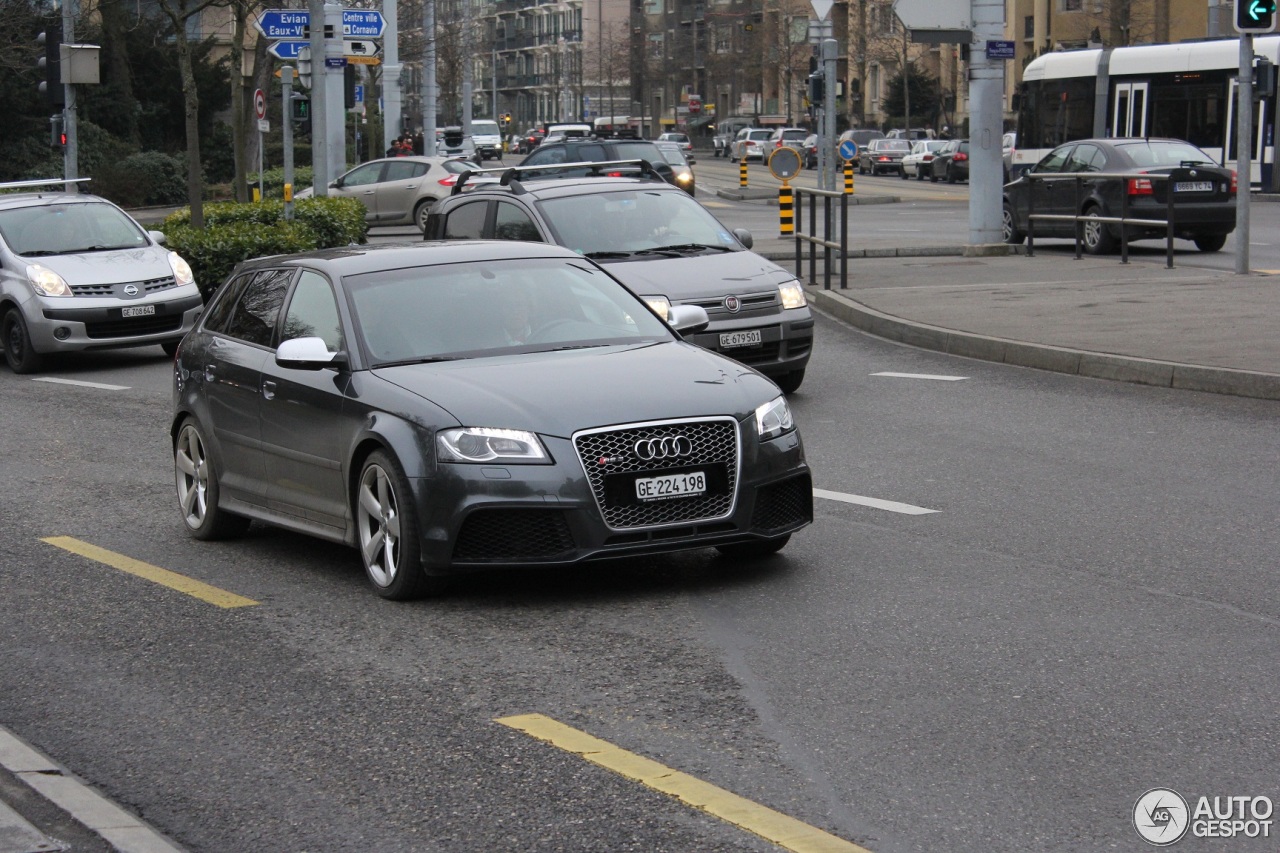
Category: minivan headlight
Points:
column 181, row 269
column 661, row 306
column 46, row 281
column 792, row 294
column 774, row 418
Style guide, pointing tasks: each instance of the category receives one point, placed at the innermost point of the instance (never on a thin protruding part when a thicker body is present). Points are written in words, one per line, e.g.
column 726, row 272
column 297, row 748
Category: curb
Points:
column 124, row 832
column 1120, row 368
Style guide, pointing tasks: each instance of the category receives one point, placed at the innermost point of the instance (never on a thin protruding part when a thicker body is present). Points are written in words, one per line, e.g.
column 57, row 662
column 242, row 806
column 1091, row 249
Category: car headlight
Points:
column 774, row 418
column 46, row 281
column 661, row 306
column 181, row 269
column 683, row 178
column 483, row 444
column 792, row 294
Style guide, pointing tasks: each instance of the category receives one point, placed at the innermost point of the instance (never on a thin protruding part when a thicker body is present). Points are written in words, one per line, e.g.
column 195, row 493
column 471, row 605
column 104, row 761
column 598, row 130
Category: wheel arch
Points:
column 412, row 446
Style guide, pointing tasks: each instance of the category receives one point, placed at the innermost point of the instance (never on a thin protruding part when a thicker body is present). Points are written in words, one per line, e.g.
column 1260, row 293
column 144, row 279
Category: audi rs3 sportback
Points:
column 450, row 407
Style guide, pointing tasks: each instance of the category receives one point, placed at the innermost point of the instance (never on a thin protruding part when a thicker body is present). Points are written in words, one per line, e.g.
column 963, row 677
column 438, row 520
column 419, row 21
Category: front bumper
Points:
column 76, row 324
column 475, row 517
column 786, row 340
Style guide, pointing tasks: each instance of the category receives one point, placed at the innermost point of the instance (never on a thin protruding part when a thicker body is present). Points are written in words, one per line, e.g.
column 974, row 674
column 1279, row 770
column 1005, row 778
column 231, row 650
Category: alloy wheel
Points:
column 379, row 525
column 191, row 466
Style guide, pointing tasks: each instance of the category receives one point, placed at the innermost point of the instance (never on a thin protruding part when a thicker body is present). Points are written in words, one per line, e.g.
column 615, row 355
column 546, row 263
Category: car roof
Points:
column 35, row 199
column 358, row 260
column 550, row 188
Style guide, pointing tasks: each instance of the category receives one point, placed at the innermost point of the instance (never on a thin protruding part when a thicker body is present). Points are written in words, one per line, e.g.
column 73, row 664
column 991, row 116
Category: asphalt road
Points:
column 1087, row 613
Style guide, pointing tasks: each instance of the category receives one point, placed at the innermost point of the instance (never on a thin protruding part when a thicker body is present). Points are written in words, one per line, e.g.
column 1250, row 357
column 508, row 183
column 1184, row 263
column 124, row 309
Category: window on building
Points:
column 1029, row 27
column 1071, row 5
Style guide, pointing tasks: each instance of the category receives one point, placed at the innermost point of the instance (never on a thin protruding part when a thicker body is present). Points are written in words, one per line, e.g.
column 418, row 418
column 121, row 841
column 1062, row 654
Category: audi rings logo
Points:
column 131, row 289
column 732, row 304
column 668, row 447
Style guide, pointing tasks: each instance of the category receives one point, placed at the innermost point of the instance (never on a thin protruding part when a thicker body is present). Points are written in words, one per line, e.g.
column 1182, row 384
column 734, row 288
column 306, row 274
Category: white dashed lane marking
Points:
column 102, row 385
column 922, row 376
column 875, row 503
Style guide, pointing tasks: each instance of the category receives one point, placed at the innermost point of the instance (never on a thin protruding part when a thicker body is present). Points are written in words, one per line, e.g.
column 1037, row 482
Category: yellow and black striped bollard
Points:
column 786, row 211
column 742, row 172
column 848, row 177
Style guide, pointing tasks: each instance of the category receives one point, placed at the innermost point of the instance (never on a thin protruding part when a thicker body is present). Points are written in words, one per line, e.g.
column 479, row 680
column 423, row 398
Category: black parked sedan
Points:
column 446, row 407
column 1204, row 194
column 951, row 163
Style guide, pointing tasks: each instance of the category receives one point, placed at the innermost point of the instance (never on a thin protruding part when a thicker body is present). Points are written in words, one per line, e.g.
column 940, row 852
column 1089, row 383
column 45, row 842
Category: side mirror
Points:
column 688, row 319
column 308, row 354
column 744, row 237
column 335, row 184
column 158, row 237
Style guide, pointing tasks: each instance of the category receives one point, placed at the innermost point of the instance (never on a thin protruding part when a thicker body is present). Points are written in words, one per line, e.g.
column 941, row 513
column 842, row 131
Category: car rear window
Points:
column 1163, row 153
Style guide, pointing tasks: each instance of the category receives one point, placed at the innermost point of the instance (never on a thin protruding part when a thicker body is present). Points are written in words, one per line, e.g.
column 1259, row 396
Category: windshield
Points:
column 484, row 128
column 634, row 221
column 674, row 156
column 58, row 229
column 482, row 308
column 1163, row 153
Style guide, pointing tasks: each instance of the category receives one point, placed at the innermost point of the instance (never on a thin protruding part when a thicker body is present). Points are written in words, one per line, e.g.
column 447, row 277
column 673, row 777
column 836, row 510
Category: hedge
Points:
column 237, row 232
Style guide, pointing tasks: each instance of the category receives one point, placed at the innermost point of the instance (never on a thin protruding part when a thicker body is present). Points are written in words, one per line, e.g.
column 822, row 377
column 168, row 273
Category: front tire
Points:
column 754, row 550
column 18, row 350
column 1211, row 242
column 199, row 490
column 387, row 531
column 790, row 383
column 420, row 214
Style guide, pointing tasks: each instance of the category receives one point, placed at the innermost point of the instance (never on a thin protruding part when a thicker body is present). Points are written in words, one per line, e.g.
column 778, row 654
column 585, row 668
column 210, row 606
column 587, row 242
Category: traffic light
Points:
column 300, row 113
column 57, row 136
column 349, row 86
column 51, row 63
column 1255, row 16
column 817, row 88
column 1264, row 77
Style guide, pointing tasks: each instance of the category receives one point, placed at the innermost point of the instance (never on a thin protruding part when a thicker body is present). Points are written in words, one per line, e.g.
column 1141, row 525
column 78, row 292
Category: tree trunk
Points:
column 119, row 79
column 239, row 125
column 191, row 100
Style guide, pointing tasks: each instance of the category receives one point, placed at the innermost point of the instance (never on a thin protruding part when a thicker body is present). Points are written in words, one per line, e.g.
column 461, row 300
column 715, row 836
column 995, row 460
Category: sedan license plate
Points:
column 1193, row 187
column 138, row 311
column 671, row 486
column 749, row 338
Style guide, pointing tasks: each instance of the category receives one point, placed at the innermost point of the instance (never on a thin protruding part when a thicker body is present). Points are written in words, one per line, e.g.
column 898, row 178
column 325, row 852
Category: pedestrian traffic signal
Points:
column 300, row 113
column 57, row 136
column 51, row 63
column 1255, row 16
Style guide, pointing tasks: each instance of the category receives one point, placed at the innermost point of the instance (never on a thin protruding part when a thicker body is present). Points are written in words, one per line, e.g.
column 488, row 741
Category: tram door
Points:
column 1260, row 119
column 1130, row 117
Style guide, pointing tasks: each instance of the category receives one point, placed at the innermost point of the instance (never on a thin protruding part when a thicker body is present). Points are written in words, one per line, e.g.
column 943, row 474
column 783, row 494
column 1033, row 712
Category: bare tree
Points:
column 179, row 12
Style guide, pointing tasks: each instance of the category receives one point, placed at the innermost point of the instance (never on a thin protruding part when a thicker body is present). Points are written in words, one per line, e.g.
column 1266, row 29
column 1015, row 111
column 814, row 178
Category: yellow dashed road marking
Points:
column 784, row 831
column 155, row 574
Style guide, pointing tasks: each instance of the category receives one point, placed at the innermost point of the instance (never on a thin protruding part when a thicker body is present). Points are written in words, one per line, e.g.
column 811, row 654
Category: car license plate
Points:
column 138, row 311
column 749, row 338
column 1193, row 187
column 671, row 486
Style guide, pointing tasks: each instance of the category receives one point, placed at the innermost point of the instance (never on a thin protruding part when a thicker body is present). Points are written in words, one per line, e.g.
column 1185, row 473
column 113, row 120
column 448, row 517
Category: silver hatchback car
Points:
column 77, row 273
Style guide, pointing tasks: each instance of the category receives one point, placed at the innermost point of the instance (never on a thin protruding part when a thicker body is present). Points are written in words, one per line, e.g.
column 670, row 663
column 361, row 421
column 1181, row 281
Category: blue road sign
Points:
column 335, row 62
column 999, row 49
column 848, row 149
column 359, row 94
column 287, row 49
column 294, row 23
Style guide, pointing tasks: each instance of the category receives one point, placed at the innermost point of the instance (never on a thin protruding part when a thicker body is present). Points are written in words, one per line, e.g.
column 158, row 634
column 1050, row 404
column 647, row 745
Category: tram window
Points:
column 1055, row 112
column 1194, row 113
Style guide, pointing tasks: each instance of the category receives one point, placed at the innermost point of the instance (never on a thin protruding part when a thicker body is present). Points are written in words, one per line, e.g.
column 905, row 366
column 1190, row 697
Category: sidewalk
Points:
column 1189, row 328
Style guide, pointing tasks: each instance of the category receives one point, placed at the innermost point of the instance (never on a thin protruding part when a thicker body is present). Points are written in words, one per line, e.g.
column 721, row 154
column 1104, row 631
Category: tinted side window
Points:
column 218, row 314
column 590, row 153
column 404, row 170
column 466, row 221
column 542, row 156
column 1083, row 158
column 254, row 320
column 362, row 176
column 313, row 312
column 1054, row 160
column 512, row 223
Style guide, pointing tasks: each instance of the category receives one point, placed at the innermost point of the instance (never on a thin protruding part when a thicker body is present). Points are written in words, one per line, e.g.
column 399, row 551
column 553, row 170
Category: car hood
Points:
column 114, row 267
column 715, row 274
column 558, row 393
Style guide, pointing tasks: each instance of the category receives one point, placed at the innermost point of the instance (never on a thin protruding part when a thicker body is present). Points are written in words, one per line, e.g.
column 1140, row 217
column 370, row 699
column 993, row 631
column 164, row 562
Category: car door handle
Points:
column 269, row 390
column 210, row 373
column 368, row 192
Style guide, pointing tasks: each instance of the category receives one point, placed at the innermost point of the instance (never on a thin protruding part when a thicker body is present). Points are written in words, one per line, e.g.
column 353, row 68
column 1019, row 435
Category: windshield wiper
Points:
column 685, row 247
column 431, row 359
column 595, row 256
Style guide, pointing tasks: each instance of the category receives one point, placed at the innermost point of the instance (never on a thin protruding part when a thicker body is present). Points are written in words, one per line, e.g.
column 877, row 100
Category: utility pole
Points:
column 71, row 156
column 392, row 121
column 1244, row 152
column 986, row 93
column 320, row 175
column 429, row 77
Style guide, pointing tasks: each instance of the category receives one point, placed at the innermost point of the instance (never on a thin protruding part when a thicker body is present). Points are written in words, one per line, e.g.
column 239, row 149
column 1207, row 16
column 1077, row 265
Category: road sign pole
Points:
column 335, row 124
column 1243, row 152
column 320, row 173
column 286, row 125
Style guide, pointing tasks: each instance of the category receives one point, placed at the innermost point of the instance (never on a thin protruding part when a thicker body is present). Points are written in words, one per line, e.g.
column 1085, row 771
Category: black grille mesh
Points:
column 512, row 535
column 130, row 326
column 783, row 504
column 714, row 442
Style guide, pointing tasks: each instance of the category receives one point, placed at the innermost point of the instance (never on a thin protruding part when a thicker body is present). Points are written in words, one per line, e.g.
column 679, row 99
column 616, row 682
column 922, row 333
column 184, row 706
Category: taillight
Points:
column 960, row 158
column 1139, row 186
column 613, row 174
column 1235, row 182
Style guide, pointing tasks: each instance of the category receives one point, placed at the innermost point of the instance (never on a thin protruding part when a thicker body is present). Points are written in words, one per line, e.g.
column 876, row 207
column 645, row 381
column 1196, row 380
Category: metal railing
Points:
column 828, row 226
column 1124, row 220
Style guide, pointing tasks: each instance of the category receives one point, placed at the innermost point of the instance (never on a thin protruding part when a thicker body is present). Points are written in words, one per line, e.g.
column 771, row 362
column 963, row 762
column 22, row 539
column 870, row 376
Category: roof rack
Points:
column 13, row 185
column 595, row 169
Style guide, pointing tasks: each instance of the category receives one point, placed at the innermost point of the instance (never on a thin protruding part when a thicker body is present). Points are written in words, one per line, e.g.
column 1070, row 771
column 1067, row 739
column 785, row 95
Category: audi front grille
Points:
column 612, row 466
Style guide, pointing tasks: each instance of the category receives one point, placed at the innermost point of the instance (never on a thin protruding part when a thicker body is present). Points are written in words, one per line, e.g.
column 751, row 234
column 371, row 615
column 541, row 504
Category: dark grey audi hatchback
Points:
column 448, row 407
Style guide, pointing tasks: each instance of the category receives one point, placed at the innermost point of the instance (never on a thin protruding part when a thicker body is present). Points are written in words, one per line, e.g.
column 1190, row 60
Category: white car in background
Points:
column 916, row 163
column 750, row 144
